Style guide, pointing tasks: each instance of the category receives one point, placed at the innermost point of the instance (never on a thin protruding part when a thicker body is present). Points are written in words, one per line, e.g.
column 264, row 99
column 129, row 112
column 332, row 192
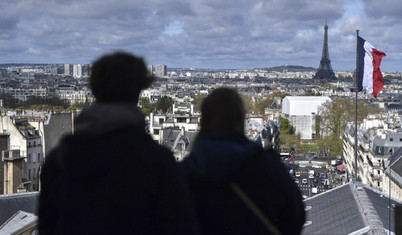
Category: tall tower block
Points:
column 325, row 70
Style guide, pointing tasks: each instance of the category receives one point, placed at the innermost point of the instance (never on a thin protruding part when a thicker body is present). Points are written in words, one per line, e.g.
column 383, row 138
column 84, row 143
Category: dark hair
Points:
column 119, row 77
column 222, row 111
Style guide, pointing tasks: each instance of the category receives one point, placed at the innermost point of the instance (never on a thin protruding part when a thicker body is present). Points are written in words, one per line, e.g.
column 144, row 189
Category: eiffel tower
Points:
column 325, row 71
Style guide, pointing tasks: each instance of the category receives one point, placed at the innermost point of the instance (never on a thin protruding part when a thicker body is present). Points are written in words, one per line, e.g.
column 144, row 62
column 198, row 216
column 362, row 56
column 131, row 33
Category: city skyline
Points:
column 199, row 34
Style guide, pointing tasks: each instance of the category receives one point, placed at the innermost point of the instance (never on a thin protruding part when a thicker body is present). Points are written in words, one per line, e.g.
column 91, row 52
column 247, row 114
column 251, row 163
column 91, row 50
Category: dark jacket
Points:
column 110, row 177
column 216, row 161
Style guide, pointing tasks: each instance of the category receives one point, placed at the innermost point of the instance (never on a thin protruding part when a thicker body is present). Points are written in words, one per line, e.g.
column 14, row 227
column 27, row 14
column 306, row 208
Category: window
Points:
column 181, row 120
column 29, row 174
column 29, row 158
column 156, row 131
column 38, row 157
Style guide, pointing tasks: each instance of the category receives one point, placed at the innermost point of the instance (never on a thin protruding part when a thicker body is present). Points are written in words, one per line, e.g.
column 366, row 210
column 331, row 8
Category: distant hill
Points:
column 291, row 68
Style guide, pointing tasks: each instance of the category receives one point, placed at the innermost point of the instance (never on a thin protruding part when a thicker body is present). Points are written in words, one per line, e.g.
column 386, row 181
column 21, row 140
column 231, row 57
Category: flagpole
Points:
column 356, row 90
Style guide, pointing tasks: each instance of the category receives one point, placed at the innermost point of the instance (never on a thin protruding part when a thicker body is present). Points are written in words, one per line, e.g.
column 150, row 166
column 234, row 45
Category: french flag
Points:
column 369, row 77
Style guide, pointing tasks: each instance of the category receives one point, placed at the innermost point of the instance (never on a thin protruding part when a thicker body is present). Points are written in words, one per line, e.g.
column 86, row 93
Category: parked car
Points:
column 297, row 181
column 304, row 181
column 314, row 190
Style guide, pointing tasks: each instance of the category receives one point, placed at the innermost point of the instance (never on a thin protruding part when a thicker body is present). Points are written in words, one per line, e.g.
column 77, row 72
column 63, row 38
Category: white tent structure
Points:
column 301, row 111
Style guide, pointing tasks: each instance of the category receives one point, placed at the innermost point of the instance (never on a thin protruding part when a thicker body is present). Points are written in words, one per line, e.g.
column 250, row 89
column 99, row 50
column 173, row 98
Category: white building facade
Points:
column 301, row 112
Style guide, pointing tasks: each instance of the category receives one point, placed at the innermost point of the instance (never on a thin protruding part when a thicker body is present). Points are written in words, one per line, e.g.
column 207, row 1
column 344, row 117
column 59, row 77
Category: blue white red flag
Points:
column 369, row 77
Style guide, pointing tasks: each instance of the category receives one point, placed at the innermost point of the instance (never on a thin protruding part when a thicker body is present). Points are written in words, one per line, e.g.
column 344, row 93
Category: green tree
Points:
column 164, row 104
column 50, row 101
column 334, row 115
column 332, row 119
column 287, row 137
column 77, row 106
column 324, row 144
column 260, row 105
column 9, row 101
column 336, row 148
column 287, row 141
column 248, row 103
column 145, row 105
column 286, row 128
column 197, row 101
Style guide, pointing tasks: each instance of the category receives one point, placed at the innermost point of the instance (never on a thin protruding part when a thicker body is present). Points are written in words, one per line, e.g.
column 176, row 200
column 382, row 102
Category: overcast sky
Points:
column 213, row 34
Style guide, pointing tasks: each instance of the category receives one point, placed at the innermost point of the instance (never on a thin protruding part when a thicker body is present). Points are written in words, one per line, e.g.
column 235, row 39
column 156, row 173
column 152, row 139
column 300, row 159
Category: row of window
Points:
column 33, row 159
column 32, row 174
column 32, row 144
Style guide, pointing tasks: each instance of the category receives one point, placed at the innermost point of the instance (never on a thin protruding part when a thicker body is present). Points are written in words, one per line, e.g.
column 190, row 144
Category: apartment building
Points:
column 22, row 94
column 26, row 140
column 379, row 138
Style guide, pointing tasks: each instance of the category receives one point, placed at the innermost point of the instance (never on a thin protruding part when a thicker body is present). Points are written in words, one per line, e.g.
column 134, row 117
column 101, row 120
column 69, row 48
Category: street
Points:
column 313, row 177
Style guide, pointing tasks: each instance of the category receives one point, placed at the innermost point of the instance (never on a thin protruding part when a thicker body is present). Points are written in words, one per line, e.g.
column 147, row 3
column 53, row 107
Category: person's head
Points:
column 222, row 111
column 119, row 77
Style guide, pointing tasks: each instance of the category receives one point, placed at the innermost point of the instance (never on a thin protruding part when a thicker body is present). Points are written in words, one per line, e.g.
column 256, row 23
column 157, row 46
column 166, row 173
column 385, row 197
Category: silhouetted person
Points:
column 110, row 177
column 230, row 176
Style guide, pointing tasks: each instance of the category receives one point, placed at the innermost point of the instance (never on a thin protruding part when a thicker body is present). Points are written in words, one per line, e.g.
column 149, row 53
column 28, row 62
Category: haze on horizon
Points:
column 200, row 34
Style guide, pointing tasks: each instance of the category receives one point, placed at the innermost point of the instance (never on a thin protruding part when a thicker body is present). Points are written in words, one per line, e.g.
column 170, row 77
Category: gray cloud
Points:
column 208, row 33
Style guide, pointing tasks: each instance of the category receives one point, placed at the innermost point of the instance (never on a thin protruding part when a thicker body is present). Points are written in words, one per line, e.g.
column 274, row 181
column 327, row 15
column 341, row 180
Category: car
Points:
column 297, row 173
column 316, row 166
column 304, row 181
column 297, row 181
column 311, row 176
column 314, row 190
column 302, row 165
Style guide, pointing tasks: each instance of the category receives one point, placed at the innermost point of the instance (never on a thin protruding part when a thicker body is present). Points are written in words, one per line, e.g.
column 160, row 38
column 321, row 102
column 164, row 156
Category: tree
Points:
column 332, row 119
column 164, row 104
column 260, row 105
column 286, row 128
column 287, row 137
column 248, row 103
column 324, row 144
column 76, row 106
column 9, row 101
column 197, row 101
column 334, row 115
column 146, row 106
column 49, row 101
column 287, row 141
